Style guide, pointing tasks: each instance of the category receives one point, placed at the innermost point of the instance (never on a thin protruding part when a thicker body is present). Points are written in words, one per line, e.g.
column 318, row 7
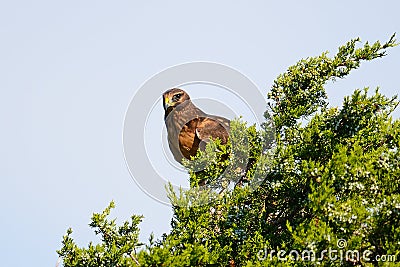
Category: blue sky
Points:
column 68, row 70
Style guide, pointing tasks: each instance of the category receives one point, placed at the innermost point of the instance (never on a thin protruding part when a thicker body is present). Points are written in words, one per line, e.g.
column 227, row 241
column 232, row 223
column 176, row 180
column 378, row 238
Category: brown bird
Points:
column 188, row 127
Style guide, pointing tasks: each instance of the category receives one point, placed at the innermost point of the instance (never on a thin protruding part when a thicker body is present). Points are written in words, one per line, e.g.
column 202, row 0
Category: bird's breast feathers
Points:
column 189, row 128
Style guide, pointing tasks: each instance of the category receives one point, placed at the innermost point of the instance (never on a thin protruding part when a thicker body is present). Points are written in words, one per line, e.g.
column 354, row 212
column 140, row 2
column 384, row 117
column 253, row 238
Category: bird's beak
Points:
column 166, row 103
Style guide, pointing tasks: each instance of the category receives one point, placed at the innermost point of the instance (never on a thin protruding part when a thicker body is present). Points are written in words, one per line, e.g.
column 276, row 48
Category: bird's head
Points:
column 173, row 98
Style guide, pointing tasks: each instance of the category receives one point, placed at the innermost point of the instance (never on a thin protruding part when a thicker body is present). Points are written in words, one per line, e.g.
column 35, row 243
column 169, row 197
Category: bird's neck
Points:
column 179, row 108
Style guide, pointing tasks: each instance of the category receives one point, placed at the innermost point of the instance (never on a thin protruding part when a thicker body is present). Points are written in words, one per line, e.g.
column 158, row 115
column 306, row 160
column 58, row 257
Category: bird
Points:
column 188, row 127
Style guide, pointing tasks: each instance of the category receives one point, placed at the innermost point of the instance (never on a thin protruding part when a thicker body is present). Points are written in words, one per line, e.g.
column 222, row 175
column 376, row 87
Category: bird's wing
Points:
column 212, row 127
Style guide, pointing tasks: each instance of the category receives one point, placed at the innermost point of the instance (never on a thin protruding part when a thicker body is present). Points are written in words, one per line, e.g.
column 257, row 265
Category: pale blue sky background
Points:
column 68, row 70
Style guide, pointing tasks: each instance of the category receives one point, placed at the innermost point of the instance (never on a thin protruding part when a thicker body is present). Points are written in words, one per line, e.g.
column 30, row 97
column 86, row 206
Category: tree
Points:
column 332, row 183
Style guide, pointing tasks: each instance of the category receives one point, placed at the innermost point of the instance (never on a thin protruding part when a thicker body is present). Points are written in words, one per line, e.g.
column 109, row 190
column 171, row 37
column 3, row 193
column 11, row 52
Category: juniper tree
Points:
column 332, row 174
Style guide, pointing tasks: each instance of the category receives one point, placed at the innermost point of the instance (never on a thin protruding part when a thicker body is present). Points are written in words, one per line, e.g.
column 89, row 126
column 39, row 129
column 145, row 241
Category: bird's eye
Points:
column 177, row 96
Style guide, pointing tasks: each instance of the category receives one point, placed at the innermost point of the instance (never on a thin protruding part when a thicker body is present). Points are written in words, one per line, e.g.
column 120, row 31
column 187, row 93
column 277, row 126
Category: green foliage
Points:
column 223, row 165
column 329, row 180
column 299, row 92
column 117, row 247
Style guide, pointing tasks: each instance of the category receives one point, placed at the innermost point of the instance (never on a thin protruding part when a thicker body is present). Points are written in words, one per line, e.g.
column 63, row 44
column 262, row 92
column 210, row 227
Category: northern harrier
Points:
column 188, row 127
